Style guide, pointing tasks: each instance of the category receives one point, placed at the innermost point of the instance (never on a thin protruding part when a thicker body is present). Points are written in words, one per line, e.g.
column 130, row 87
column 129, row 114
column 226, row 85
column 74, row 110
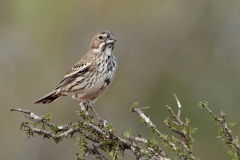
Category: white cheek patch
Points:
column 101, row 45
column 96, row 51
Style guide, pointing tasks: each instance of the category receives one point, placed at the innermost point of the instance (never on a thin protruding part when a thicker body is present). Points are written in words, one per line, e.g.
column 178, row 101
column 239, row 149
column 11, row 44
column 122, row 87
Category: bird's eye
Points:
column 100, row 37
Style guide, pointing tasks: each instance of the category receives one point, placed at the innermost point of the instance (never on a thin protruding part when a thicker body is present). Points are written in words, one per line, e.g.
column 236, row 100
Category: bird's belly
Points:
column 93, row 88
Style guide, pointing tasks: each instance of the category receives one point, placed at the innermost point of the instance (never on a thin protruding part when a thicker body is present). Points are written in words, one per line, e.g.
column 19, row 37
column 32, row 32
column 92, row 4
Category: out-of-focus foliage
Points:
column 190, row 48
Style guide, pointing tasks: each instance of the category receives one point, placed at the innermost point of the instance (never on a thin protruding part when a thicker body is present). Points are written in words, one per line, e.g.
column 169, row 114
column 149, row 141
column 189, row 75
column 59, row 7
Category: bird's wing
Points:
column 78, row 69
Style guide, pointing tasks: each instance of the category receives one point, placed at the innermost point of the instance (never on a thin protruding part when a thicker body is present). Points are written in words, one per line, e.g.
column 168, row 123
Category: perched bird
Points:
column 90, row 76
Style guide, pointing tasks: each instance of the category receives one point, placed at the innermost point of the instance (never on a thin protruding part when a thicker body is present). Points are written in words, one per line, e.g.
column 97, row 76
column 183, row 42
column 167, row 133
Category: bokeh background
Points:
column 186, row 47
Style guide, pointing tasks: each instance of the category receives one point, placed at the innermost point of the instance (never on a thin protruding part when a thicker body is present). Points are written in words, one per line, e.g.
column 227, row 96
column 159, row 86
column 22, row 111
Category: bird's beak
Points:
column 111, row 39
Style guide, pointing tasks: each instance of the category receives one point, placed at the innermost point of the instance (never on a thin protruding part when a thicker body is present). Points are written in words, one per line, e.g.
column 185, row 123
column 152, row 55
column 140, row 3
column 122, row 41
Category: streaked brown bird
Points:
column 90, row 76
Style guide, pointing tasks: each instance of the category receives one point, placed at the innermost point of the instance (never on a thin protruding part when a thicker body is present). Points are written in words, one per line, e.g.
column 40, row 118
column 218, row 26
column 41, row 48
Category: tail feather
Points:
column 48, row 98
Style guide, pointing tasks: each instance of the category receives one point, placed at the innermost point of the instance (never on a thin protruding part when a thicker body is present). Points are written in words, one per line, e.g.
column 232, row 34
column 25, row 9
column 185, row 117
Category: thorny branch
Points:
column 226, row 134
column 96, row 133
column 104, row 138
column 179, row 106
column 151, row 125
column 36, row 118
column 183, row 130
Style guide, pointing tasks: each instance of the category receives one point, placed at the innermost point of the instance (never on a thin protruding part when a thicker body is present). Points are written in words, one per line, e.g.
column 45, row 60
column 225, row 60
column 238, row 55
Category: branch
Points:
column 153, row 127
column 101, row 134
column 43, row 119
column 225, row 132
column 179, row 105
column 181, row 128
column 229, row 133
column 176, row 125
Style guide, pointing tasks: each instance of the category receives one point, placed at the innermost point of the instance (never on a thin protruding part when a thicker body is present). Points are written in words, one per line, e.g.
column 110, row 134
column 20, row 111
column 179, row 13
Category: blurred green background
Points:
column 186, row 47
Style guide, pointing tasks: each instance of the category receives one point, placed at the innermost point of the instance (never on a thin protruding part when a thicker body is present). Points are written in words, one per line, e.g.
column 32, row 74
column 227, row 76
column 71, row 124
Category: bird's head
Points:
column 102, row 39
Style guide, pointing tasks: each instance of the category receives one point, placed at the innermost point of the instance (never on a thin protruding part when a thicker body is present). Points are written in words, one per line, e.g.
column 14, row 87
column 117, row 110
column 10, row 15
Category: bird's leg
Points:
column 90, row 106
column 93, row 111
column 102, row 121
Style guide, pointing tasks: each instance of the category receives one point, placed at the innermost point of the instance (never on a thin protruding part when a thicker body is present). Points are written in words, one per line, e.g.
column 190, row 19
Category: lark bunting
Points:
column 90, row 75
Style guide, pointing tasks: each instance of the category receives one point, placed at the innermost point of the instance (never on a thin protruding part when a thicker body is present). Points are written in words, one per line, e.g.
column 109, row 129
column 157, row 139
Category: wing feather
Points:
column 78, row 69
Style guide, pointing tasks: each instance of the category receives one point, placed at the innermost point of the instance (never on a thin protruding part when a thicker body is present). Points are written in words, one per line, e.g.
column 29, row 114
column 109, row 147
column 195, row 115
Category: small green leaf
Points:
column 187, row 121
column 135, row 105
column 203, row 104
column 48, row 117
column 127, row 134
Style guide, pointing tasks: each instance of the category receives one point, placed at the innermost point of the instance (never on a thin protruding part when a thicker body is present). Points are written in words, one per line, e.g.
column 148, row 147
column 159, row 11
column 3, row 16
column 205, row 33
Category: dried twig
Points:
column 179, row 106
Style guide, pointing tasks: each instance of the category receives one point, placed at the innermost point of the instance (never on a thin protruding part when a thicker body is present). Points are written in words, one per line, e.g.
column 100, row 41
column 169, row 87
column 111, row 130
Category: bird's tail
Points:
column 48, row 98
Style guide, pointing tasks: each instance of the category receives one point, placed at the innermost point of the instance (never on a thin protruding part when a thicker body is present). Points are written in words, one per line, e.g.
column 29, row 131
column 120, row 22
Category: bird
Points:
column 90, row 76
